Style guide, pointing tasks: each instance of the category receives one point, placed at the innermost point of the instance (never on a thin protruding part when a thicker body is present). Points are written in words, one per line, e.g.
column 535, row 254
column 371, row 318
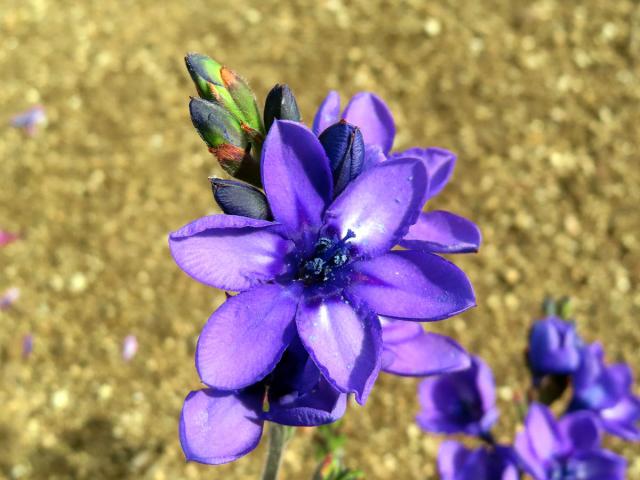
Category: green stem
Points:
column 278, row 437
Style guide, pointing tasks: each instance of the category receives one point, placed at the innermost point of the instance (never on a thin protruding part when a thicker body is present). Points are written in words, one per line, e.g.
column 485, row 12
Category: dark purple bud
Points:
column 280, row 105
column 344, row 146
column 237, row 198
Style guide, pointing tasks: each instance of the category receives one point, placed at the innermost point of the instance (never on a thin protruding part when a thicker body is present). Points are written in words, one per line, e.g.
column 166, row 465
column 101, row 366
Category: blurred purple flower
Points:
column 436, row 231
column 27, row 345
column 9, row 297
column 221, row 426
column 608, row 391
column 323, row 269
column 460, row 402
column 566, row 450
column 455, row 462
column 30, row 119
column 129, row 347
column 554, row 347
column 7, row 237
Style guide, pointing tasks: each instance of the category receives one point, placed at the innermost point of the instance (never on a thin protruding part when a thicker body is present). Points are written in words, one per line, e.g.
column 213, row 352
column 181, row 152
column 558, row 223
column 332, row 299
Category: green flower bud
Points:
column 226, row 139
column 224, row 87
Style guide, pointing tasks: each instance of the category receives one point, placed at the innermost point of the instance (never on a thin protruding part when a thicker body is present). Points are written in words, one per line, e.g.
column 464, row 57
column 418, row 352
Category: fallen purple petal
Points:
column 129, row 347
column 9, row 297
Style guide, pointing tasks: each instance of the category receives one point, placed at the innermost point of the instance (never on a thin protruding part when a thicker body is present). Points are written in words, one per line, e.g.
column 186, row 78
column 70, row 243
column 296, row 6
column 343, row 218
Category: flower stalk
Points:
column 279, row 436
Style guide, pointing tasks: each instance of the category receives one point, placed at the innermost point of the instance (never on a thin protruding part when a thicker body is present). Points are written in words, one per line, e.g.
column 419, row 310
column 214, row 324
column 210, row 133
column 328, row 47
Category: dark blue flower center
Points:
column 328, row 256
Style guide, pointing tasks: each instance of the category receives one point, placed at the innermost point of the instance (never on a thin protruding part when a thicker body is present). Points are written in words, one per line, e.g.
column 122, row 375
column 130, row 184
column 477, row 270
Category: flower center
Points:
column 329, row 255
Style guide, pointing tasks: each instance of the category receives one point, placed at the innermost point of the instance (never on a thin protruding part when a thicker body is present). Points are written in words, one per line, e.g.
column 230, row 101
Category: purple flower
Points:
column 607, row 390
column 221, row 426
column 436, row 231
column 455, row 462
column 565, row 450
column 554, row 347
column 7, row 237
column 323, row 269
column 30, row 119
column 460, row 402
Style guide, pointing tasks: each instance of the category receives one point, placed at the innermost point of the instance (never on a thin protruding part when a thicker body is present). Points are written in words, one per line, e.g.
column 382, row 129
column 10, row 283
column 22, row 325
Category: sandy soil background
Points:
column 538, row 98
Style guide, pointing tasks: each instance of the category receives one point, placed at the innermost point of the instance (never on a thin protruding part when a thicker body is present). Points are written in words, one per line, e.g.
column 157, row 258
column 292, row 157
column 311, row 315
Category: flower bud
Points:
column 237, row 198
column 226, row 140
column 224, row 87
column 280, row 105
column 344, row 146
column 554, row 347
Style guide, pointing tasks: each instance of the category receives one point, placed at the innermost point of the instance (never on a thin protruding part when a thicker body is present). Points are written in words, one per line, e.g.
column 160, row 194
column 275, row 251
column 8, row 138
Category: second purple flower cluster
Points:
column 599, row 401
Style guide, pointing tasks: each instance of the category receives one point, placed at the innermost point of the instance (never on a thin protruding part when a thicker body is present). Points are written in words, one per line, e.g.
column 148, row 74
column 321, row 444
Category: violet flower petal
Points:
column 368, row 112
column 328, row 113
column 443, row 232
column 439, row 163
column 246, row 336
column 379, row 206
column 599, row 465
column 412, row 285
column 580, row 431
column 425, row 354
column 230, row 252
column 220, row 427
column 543, row 433
column 296, row 176
column 485, row 383
column 623, row 419
column 320, row 406
column 345, row 343
column 397, row 331
column 451, row 458
column 373, row 156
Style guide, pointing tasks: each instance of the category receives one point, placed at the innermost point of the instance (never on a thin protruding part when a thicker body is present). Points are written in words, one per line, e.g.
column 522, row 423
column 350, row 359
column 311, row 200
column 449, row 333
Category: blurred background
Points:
column 538, row 98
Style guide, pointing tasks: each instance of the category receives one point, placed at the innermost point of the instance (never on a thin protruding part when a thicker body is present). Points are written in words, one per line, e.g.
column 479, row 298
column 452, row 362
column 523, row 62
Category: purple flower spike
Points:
column 323, row 269
column 554, row 347
column 565, row 450
column 460, row 402
column 221, row 426
column 455, row 462
column 30, row 119
column 9, row 297
column 129, row 347
column 7, row 237
column 607, row 391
